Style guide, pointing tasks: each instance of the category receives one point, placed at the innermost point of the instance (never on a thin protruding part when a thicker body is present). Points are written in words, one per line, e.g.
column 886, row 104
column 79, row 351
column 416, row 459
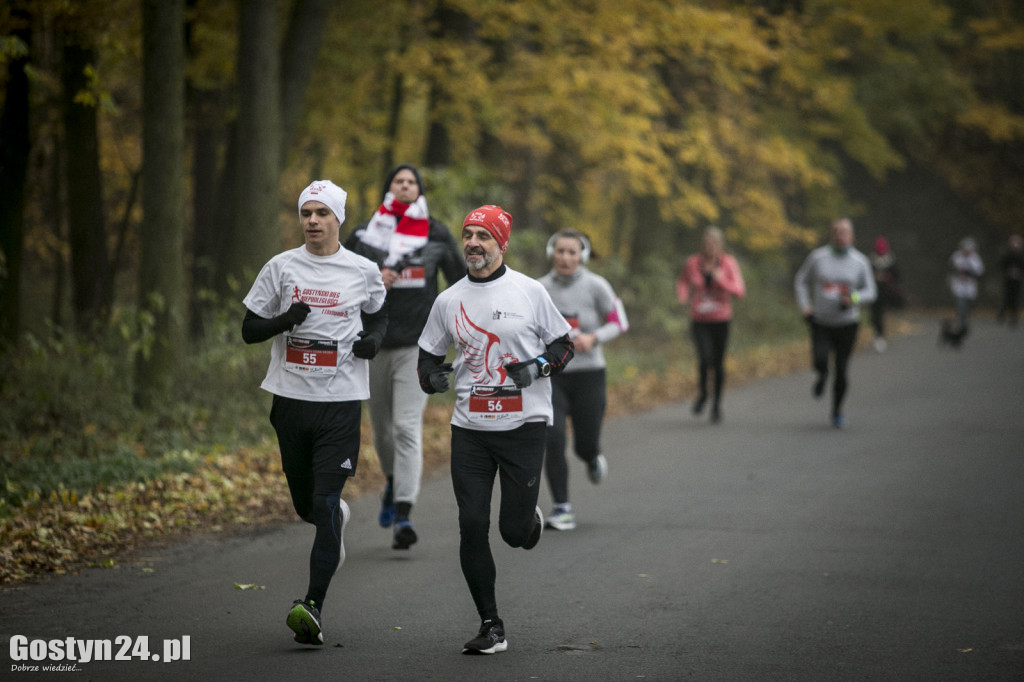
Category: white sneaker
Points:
column 880, row 345
column 560, row 520
column 346, row 515
column 597, row 469
column 538, row 529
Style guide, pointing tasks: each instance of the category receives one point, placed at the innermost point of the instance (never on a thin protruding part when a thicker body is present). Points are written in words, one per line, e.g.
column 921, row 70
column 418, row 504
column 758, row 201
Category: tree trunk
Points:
column 394, row 118
column 14, row 152
column 270, row 108
column 206, row 126
column 299, row 51
column 447, row 23
column 647, row 234
column 439, row 144
column 162, row 270
column 255, row 230
column 206, row 136
column 90, row 269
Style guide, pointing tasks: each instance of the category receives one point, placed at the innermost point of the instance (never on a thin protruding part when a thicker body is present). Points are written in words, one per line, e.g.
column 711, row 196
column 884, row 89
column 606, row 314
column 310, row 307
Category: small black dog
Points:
column 952, row 333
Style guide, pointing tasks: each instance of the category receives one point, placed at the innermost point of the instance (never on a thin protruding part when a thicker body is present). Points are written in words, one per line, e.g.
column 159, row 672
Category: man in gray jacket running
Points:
column 830, row 287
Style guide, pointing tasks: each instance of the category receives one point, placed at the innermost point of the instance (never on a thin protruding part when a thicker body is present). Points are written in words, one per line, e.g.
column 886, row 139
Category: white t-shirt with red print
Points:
column 313, row 361
column 490, row 324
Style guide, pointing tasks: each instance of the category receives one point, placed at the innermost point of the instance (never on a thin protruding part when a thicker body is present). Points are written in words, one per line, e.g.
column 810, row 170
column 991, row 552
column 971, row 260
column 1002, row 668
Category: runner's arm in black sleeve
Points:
column 558, row 353
column 256, row 329
column 427, row 365
column 375, row 325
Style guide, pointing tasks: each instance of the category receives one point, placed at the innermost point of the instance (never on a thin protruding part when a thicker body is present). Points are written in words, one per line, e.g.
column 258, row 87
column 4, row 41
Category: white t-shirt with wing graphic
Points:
column 490, row 324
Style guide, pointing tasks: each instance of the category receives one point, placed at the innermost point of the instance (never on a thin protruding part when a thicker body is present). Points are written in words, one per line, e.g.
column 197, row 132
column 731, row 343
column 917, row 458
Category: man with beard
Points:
column 509, row 338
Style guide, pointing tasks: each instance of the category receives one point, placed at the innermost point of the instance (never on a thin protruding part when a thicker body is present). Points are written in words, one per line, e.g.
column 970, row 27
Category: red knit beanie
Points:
column 495, row 220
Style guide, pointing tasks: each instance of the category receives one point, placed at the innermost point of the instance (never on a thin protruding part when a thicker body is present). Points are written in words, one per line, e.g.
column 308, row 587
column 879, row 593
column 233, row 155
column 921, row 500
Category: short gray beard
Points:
column 489, row 259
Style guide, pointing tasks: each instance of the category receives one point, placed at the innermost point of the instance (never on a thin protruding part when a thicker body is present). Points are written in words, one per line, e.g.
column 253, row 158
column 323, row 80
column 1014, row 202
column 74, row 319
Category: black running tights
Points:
column 581, row 396
column 711, row 339
column 838, row 342
column 516, row 457
column 317, row 500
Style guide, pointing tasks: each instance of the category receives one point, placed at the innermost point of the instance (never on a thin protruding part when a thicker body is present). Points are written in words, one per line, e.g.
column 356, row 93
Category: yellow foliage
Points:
column 995, row 121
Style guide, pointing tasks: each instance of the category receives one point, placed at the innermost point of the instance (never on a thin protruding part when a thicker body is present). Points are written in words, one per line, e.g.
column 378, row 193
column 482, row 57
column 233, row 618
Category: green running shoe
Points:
column 304, row 620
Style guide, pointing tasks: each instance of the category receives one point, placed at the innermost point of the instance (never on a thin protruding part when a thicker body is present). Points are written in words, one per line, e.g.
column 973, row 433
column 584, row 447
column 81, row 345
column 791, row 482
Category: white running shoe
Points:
column 597, row 469
column 561, row 520
column 345, row 516
column 538, row 529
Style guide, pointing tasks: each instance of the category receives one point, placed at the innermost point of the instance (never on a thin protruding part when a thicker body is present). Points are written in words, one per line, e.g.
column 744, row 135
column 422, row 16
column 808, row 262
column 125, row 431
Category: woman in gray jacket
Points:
column 596, row 316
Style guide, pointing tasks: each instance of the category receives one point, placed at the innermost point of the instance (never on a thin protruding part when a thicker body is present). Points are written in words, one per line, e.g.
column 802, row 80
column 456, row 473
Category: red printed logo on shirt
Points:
column 479, row 350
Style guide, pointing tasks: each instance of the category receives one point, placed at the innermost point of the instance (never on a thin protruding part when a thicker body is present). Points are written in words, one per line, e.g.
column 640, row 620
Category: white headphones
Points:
column 569, row 233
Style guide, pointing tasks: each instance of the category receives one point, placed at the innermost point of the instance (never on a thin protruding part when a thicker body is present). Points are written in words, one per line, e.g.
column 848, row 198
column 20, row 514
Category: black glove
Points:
column 523, row 373
column 367, row 346
column 439, row 379
column 296, row 314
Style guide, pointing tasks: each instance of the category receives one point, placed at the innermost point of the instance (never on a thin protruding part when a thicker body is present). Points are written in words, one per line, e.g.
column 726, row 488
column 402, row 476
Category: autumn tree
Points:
column 14, row 161
column 162, row 293
column 980, row 151
column 90, row 270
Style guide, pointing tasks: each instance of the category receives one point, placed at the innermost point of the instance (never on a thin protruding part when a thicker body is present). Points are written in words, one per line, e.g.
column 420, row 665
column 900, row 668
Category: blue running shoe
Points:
column 388, row 510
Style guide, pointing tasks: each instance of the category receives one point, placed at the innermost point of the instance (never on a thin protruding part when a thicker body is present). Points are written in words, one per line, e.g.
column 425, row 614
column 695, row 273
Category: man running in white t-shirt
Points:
column 324, row 308
column 509, row 338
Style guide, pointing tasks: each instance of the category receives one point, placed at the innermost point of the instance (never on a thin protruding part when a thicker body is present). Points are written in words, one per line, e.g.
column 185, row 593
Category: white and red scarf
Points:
column 398, row 229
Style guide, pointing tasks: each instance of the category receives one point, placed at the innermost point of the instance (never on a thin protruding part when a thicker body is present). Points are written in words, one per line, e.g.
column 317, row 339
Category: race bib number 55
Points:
column 312, row 357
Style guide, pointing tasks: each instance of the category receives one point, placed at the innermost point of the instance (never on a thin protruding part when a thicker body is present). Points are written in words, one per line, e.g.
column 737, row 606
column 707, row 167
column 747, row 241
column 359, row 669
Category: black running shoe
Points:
column 304, row 620
column 538, row 528
column 404, row 536
column 818, row 389
column 490, row 639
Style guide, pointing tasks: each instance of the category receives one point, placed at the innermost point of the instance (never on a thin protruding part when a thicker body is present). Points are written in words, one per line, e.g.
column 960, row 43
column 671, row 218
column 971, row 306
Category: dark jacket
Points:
column 408, row 308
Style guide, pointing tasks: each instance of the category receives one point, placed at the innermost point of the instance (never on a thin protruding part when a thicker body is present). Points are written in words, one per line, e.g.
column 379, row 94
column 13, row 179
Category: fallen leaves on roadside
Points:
column 66, row 532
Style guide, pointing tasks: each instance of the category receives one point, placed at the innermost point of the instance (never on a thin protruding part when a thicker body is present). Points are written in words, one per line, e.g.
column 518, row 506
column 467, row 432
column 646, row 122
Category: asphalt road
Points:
column 768, row 547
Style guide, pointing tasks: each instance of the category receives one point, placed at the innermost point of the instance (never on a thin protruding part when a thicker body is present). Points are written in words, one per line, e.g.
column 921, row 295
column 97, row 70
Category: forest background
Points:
column 151, row 153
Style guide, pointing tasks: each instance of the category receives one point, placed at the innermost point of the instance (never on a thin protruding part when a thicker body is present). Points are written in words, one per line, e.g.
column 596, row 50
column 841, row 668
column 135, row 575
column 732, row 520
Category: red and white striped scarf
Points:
column 398, row 229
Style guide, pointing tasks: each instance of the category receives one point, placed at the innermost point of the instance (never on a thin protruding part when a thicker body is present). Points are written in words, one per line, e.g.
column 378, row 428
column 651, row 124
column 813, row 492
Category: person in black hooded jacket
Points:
column 412, row 249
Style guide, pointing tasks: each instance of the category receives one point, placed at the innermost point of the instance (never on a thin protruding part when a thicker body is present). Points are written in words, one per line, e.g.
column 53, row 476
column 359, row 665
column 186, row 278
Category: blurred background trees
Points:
column 639, row 123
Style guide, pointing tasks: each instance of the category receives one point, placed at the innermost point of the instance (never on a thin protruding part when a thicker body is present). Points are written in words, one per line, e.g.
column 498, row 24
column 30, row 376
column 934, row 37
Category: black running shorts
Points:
column 317, row 437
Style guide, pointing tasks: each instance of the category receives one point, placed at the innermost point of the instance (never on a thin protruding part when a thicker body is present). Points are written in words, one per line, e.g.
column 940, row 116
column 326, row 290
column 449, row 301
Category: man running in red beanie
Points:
column 509, row 338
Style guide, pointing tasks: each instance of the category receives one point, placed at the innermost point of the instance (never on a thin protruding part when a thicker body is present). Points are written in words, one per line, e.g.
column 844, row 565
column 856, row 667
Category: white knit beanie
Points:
column 328, row 194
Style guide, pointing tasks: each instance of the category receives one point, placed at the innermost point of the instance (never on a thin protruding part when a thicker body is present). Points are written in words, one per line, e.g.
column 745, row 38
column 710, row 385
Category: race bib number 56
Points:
column 495, row 403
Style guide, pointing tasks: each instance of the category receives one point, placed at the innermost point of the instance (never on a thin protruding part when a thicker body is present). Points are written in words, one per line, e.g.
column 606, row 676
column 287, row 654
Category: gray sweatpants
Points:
column 396, row 413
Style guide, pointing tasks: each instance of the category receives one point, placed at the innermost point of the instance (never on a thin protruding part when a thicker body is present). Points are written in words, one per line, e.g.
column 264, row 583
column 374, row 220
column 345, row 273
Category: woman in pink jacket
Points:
column 708, row 283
